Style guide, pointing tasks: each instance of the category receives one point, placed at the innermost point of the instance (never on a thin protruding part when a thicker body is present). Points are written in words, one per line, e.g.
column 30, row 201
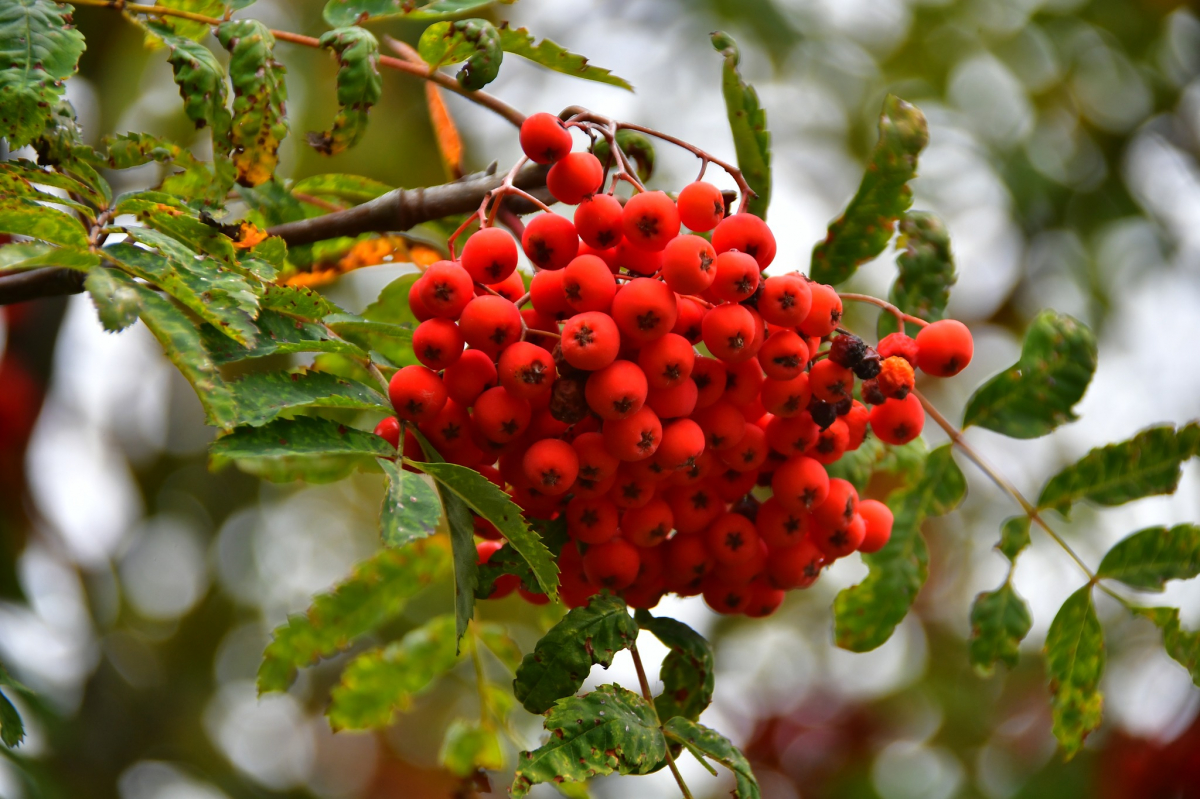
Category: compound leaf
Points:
column 864, row 228
column 1014, row 536
column 117, row 301
column 1181, row 645
column 359, row 86
column 411, row 508
column 379, row 682
column 687, row 670
column 558, row 665
column 304, row 448
column 475, row 41
column 608, row 730
column 352, row 188
column 865, row 615
column 298, row 301
column 392, row 341
column 1075, row 661
column 1150, row 557
column 483, row 497
column 39, row 49
column 262, row 396
column 22, row 216
column 259, row 95
column 1000, row 620
column 355, row 12
column 748, row 123
column 375, row 593
column 546, row 53
column 1037, row 393
column 704, row 742
column 277, row 335
column 1145, row 465
column 178, row 27
column 926, row 272
column 19, row 177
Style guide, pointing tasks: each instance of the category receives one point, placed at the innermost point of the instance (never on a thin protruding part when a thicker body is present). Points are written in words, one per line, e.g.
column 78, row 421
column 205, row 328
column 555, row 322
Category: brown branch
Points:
column 37, row 283
column 402, row 209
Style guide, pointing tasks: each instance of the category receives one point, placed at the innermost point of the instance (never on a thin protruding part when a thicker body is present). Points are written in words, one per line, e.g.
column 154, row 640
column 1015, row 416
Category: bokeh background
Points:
column 139, row 588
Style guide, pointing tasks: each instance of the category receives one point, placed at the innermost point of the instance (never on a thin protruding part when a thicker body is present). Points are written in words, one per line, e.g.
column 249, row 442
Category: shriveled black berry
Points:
column 867, row 366
column 752, row 300
column 765, row 478
column 822, row 412
column 843, row 407
column 567, row 401
column 846, row 350
column 871, row 393
column 746, row 506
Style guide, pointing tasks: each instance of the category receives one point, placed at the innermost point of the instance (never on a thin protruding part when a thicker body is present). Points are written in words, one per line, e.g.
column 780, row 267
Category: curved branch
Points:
column 402, row 209
column 52, row 281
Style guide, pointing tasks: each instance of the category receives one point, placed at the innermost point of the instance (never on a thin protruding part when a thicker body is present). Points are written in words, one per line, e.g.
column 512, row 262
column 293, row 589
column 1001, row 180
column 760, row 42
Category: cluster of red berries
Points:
column 593, row 402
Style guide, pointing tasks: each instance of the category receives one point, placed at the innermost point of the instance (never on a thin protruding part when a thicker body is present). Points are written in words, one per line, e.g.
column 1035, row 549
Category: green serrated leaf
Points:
column 277, row 335
column 359, row 86
column 392, row 341
column 354, row 12
column 298, row 301
column 483, row 497
column 1014, row 536
column 1181, row 645
column 352, row 188
column 21, row 216
column 687, row 670
column 1075, row 661
column 178, row 27
column 496, row 638
column 470, row 746
column 411, row 509
column 1146, row 465
column 609, row 730
column 259, row 94
column 475, row 41
column 21, row 177
column 1000, row 620
column 170, row 216
column 380, row 682
column 1150, row 557
column 873, row 456
column 22, row 257
column 201, row 81
column 1038, row 392
column 61, row 147
column 702, row 741
column 926, row 272
column 507, row 560
column 12, row 728
column 546, row 53
column 392, row 304
column 865, row 615
column 263, row 396
column 375, row 593
column 560, row 662
column 304, row 448
column 865, row 227
column 39, row 49
column 748, row 123
column 117, row 301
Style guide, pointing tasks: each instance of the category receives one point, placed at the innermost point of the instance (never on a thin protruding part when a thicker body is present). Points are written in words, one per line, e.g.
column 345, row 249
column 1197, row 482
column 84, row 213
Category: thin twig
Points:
column 901, row 317
column 641, row 673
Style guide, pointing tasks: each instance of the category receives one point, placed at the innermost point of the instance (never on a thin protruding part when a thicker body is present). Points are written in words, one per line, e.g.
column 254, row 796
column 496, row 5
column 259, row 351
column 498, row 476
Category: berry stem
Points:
column 704, row 156
column 901, row 317
column 645, row 684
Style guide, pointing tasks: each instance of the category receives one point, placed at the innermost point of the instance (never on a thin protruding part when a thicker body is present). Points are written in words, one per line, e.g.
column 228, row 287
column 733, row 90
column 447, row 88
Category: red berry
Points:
column 830, row 444
column 590, row 340
column 839, row 506
column 895, row 377
column 723, row 597
column 785, row 300
column 674, row 402
column 544, row 139
column 551, row 465
column 825, row 313
column 795, row 567
column 856, row 424
column 635, row 437
column 829, row 382
column 743, row 381
column 550, row 241
column 694, row 507
column 490, row 255
column 574, row 177
column 746, row 233
column 506, row 583
column 682, row 443
column 511, row 288
column 792, row 435
column 526, row 370
column 574, row 588
column 722, row 423
column 414, row 301
column 898, row 421
column 728, row 332
column 417, row 394
column 650, row 220
column 531, row 597
column 729, row 484
column 613, row 564
column 749, row 453
column 878, row 520
column 689, row 264
column 731, row 539
column 637, row 260
column 737, row 276
column 446, row 288
column 701, row 206
column 837, row 543
column 779, row 527
column 598, row 221
column 617, row 391
column 764, row 599
column 667, row 361
column 468, row 376
column 742, row 573
column 389, row 431
column 437, row 343
column 800, row 484
column 944, row 348
column 649, row 525
column 630, row 490
column 547, row 294
column 898, row 344
column 685, row 562
column 588, row 284
column 592, row 521
column 690, row 316
column 786, row 398
column 783, row 355
column 644, row 310
column 490, row 323
column 500, row 416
